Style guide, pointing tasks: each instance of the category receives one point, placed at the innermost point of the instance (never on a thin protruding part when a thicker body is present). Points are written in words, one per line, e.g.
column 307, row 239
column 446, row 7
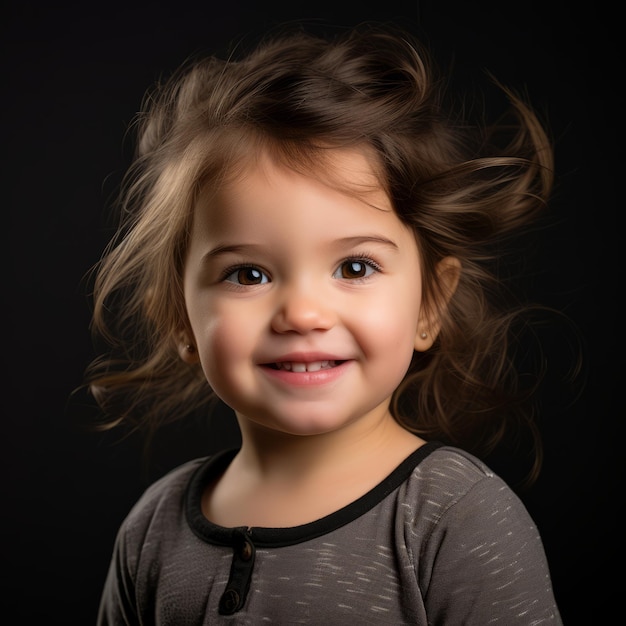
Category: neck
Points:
column 278, row 479
column 278, row 456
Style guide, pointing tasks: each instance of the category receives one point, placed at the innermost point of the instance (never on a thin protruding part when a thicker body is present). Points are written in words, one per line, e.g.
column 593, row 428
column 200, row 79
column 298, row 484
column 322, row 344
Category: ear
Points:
column 447, row 274
column 187, row 349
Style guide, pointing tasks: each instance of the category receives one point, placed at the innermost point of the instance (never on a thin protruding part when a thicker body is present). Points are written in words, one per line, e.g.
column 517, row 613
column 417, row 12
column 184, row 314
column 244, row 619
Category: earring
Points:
column 190, row 348
column 423, row 334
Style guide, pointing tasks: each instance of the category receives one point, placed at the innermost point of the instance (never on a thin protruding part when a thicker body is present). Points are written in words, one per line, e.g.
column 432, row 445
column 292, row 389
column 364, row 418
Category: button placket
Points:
column 236, row 592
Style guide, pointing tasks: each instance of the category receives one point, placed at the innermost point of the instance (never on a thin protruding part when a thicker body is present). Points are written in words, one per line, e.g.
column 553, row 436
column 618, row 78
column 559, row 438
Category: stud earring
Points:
column 190, row 348
column 423, row 334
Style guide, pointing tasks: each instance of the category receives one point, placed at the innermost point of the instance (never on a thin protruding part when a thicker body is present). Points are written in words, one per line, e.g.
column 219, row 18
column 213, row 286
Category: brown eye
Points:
column 354, row 268
column 247, row 276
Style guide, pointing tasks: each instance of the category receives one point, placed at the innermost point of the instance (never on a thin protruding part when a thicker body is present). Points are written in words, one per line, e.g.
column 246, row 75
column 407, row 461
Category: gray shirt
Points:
column 442, row 540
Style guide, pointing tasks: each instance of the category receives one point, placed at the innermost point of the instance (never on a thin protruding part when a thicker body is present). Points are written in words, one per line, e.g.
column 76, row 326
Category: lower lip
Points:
column 307, row 379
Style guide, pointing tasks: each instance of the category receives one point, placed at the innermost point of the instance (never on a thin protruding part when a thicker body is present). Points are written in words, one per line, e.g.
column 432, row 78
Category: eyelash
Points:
column 365, row 259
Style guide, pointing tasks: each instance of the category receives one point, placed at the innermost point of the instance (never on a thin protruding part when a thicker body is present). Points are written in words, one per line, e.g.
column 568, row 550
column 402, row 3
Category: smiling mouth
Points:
column 298, row 367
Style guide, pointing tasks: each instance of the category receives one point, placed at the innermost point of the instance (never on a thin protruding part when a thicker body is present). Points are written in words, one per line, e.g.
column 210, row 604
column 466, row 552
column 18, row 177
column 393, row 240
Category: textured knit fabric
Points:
column 442, row 540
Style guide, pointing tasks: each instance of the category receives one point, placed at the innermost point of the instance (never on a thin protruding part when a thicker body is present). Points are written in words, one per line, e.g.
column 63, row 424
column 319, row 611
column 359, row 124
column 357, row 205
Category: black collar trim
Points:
column 278, row 537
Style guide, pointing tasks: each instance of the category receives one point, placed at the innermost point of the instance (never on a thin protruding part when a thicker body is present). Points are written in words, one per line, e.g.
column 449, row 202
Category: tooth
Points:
column 313, row 366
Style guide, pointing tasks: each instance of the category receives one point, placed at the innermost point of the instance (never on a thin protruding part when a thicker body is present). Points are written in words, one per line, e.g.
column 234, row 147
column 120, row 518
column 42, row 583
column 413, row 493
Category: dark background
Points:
column 73, row 76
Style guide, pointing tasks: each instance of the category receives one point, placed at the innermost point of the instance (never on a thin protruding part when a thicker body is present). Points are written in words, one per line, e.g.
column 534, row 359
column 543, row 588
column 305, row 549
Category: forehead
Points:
column 353, row 172
column 271, row 205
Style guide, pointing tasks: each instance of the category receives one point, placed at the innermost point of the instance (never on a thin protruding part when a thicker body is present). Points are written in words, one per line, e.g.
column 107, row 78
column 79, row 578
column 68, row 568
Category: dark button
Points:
column 234, row 596
column 246, row 551
column 229, row 601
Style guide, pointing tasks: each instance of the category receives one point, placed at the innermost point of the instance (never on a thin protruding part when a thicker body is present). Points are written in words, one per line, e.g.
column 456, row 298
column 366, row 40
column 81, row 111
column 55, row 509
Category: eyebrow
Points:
column 368, row 239
column 234, row 248
column 240, row 248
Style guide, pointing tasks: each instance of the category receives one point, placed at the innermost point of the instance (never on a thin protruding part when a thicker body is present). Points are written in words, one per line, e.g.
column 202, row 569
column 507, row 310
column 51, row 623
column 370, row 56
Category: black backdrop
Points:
column 72, row 78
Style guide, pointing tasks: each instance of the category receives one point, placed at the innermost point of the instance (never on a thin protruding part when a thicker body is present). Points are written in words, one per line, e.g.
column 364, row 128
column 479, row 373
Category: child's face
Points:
column 304, row 301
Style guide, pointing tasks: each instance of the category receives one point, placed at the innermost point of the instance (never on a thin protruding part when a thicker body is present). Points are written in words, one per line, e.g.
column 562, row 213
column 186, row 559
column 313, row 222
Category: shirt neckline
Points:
column 279, row 537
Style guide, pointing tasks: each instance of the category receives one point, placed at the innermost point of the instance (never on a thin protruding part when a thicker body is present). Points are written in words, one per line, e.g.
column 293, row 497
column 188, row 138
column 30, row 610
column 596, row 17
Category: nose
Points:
column 302, row 309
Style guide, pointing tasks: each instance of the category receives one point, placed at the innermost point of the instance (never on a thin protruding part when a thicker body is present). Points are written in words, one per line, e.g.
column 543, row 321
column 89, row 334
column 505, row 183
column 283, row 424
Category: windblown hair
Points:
column 464, row 187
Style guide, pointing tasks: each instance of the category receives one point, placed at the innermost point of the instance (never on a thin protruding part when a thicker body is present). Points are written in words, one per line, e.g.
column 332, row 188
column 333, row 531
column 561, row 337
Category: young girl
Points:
column 311, row 237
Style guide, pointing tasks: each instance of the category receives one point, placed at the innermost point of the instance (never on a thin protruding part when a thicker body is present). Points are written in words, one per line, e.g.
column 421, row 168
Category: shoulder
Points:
column 453, row 488
column 454, row 467
column 455, row 470
column 465, row 530
column 162, row 500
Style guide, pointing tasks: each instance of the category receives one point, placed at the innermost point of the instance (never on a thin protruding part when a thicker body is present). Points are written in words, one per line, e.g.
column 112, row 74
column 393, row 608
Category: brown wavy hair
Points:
column 463, row 184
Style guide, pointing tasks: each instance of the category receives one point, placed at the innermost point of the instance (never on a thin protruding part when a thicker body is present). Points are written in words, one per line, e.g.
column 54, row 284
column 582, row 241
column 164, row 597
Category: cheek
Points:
column 393, row 323
column 227, row 339
column 393, row 341
column 222, row 341
column 392, row 319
